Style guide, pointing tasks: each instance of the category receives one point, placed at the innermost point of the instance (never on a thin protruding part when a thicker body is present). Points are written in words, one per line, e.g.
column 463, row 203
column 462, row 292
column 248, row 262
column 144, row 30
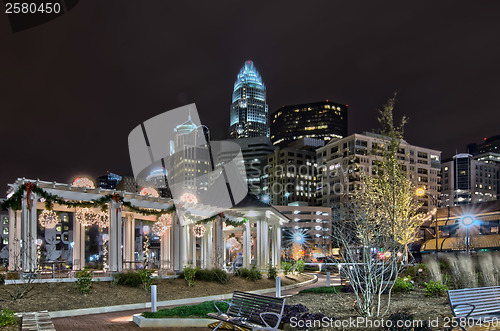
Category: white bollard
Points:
column 328, row 279
column 278, row 287
column 153, row 298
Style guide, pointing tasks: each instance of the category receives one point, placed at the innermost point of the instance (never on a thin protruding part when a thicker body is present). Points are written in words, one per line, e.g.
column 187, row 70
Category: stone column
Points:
column 115, row 237
column 278, row 245
column 78, row 245
column 218, row 255
column 193, row 247
column 265, row 243
column 176, row 247
column 29, row 233
column 14, row 240
column 246, row 245
column 129, row 240
column 258, row 239
column 165, row 250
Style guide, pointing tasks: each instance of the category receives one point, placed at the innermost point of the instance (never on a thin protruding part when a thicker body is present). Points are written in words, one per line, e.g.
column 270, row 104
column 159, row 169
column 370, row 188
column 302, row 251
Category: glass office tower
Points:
column 248, row 107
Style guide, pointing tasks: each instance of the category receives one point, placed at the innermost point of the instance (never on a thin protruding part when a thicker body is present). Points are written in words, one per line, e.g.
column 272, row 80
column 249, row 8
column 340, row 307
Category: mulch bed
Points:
column 340, row 306
column 64, row 296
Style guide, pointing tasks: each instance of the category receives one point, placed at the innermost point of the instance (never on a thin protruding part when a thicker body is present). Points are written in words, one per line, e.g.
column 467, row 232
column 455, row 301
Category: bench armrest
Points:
column 277, row 323
column 464, row 304
column 216, row 302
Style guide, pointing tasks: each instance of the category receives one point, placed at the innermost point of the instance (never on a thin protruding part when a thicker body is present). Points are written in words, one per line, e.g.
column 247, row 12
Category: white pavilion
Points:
column 259, row 237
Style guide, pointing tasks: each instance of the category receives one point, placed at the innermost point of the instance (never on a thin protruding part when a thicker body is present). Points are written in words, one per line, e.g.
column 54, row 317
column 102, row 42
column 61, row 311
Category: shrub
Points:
column 243, row 272
column 435, row 289
column 190, row 275
column 7, row 317
column 220, row 276
column 272, row 272
column 146, row 277
column 347, row 288
column 198, row 310
column 301, row 315
column 403, row 321
column 300, row 265
column 404, row 284
column 129, row 278
column 254, row 274
column 84, row 281
column 212, row 275
column 287, row 267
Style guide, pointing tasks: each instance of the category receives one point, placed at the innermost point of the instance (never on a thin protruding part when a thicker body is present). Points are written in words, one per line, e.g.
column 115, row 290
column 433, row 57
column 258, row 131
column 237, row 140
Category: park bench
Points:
column 251, row 311
column 480, row 304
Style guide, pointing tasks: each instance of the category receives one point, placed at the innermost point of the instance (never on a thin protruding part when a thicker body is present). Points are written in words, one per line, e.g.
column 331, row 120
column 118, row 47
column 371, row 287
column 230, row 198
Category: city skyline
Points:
column 72, row 104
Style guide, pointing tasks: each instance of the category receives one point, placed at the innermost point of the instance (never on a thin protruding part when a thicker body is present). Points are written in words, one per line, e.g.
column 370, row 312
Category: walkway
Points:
column 123, row 320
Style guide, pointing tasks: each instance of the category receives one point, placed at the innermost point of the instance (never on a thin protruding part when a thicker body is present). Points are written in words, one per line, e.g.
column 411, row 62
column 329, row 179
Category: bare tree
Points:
column 378, row 221
column 23, row 282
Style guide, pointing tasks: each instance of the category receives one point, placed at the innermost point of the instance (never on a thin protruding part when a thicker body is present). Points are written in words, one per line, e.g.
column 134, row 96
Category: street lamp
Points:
column 467, row 221
column 420, row 192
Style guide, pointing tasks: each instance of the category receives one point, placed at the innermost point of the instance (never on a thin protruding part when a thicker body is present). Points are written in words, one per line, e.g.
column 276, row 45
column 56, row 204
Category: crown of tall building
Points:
column 249, row 111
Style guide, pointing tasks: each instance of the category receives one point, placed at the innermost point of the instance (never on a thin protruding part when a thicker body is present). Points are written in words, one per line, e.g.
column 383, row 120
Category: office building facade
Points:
column 249, row 110
column 337, row 161
column 292, row 173
column 468, row 180
column 320, row 120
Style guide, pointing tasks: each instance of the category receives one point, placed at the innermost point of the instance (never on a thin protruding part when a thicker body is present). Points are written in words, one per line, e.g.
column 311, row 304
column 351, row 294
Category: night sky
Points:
column 72, row 89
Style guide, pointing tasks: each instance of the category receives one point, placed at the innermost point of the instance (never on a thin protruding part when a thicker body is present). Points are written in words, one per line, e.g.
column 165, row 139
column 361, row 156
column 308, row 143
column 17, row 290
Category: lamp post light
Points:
column 467, row 221
column 420, row 192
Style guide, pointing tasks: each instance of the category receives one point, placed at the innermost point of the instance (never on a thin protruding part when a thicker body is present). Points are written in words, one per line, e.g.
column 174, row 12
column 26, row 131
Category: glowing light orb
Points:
column 48, row 219
column 199, row 230
column 149, row 191
column 189, row 198
column 83, row 182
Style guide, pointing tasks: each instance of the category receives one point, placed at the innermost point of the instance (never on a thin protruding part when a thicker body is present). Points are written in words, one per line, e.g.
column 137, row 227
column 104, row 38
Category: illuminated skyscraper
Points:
column 249, row 108
column 323, row 120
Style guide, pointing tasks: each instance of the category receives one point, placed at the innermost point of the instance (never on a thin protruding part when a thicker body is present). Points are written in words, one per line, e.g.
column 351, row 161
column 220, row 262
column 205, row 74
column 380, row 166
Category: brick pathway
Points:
column 123, row 320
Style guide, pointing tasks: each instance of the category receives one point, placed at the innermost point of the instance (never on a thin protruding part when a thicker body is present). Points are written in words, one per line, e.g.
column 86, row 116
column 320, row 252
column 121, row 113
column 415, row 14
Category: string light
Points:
column 199, row 230
column 105, row 239
column 83, row 182
column 48, row 219
column 149, row 191
column 189, row 198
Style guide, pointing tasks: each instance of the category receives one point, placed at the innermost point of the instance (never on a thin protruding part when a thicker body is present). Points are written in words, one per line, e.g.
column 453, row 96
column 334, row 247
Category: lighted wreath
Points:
column 48, row 219
column 199, row 230
column 87, row 217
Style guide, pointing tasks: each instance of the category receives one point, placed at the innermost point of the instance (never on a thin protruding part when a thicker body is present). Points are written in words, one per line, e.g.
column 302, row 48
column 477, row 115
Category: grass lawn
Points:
column 199, row 310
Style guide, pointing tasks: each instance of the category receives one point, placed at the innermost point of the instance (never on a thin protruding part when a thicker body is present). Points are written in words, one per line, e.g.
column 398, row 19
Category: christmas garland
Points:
column 226, row 220
column 14, row 202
